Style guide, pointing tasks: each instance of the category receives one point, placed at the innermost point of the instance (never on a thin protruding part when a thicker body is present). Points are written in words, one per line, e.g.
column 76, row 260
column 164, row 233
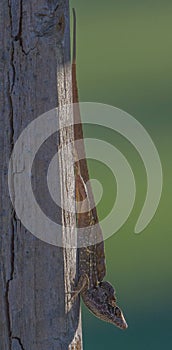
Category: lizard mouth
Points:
column 119, row 318
column 121, row 322
column 123, row 325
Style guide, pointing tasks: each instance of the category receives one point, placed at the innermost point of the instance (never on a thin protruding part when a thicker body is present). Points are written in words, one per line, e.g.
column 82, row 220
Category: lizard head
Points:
column 118, row 318
column 115, row 314
column 101, row 301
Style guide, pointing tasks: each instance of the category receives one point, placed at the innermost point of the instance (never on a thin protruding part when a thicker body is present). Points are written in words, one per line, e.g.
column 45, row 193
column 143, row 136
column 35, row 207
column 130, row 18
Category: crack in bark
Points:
column 11, row 82
column 19, row 341
column 13, row 221
column 19, row 36
column 56, row 7
column 20, row 26
column 13, row 69
column 8, row 283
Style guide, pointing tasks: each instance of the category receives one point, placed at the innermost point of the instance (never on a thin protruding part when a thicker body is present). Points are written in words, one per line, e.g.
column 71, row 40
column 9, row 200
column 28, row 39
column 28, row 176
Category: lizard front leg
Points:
column 81, row 287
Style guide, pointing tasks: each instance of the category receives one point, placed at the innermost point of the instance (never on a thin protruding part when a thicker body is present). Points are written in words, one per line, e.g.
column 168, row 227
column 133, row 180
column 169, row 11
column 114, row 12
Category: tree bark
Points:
column 36, row 277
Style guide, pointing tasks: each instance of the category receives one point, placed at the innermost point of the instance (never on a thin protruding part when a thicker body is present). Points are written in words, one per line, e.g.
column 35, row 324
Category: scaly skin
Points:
column 98, row 295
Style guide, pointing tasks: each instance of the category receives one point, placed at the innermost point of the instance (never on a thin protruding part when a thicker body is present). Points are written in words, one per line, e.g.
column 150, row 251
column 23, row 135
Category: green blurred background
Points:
column 124, row 56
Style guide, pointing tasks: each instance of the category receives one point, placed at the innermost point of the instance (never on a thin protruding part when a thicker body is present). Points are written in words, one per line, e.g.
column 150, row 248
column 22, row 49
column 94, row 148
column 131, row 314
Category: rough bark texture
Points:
column 35, row 277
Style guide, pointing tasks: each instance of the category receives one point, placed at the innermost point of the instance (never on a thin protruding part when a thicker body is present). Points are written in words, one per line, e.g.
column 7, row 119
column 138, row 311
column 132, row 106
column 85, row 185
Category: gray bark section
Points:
column 35, row 277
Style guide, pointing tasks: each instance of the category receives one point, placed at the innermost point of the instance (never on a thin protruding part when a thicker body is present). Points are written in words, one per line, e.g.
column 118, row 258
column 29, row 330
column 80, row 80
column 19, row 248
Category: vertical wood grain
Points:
column 35, row 277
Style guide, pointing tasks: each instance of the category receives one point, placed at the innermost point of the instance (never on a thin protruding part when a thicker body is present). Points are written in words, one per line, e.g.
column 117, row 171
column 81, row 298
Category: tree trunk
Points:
column 35, row 276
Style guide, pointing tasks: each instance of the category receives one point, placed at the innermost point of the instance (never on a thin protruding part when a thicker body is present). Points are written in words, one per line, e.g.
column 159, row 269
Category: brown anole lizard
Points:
column 98, row 295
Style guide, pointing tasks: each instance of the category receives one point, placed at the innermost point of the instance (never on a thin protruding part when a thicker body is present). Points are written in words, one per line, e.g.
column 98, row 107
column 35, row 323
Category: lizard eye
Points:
column 117, row 312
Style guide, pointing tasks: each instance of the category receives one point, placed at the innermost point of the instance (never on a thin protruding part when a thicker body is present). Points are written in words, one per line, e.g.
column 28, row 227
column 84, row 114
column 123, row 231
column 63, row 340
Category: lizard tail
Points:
column 74, row 37
column 74, row 81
